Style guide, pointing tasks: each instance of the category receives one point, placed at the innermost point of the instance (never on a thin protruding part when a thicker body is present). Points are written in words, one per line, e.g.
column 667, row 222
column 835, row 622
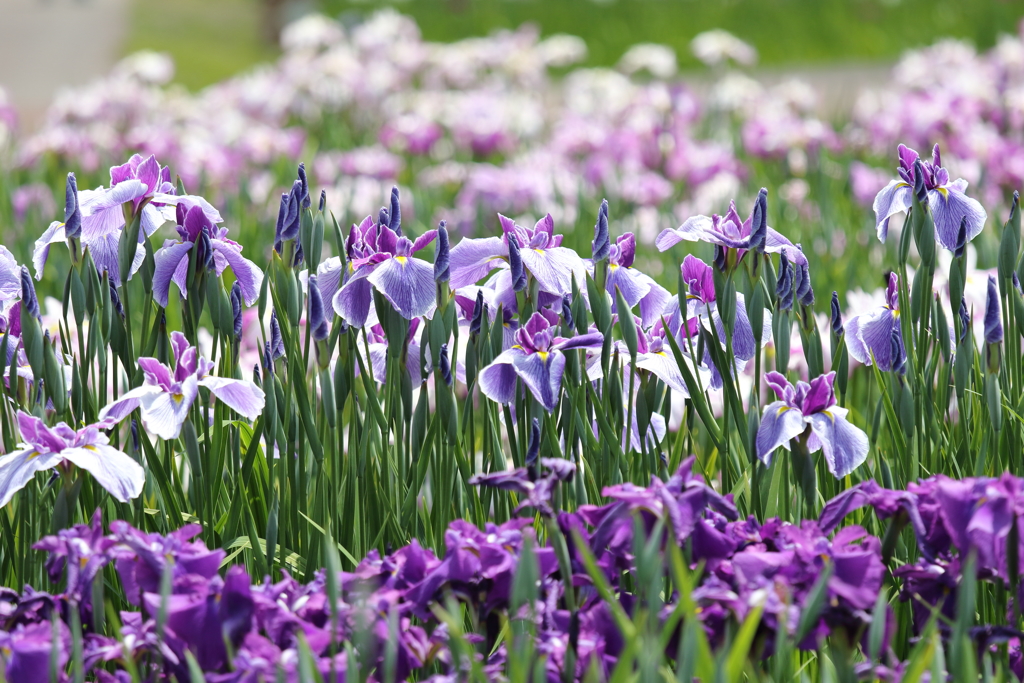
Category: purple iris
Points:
column 537, row 358
column 381, row 259
column 636, row 287
column 196, row 228
column 553, row 266
column 43, row 448
column 872, row 334
column 811, row 409
column 167, row 394
column 701, row 303
column 655, row 356
column 947, row 201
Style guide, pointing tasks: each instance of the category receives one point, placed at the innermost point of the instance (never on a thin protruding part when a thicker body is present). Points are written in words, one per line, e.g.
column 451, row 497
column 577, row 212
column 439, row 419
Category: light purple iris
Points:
column 167, row 394
column 655, row 356
column 43, row 448
column 811, row 407
column 102, row 218
column 537, row 358
column 195, row 227
column 636, row 287
column 381, row 259
column 947, row 201
column 871, row 334
column 701, row 303
column 551, row 265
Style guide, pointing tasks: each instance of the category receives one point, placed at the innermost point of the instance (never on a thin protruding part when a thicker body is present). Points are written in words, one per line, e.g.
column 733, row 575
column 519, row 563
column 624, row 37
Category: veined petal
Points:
column 101, row 209
column 52, row 235
column 633, row 284
column 118, row 410
column 408, row 283
column 873, row 335
column 949, row 206
column 779, row 424
column 845, row 446
column 542, row 373
column 471, row 259
column 743, row 344
column 352, row 301
column 166, row 261
column 663, row 366
column 554, row 269
column 247, row 273
column 163, row 413
column 242, row 396
column 328, row 276
column 654, row 303
column 590, row 340
column 498, row 380
column 894, row 198
column 122, row 477
column 693, row 229
column 18, row 468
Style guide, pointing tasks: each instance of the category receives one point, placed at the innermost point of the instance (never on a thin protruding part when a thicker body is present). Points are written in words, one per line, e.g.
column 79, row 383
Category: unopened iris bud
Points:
column 303, row 187
column 784, row 285
column 993, row 321
column 837, row 316
column 961, row 239
column 965, row 320
column 479, row 309
column 323, row 201
column 236, row 310
column 898, row 351
column 919, row 185
column 515, row 261
column 383, row 217
column 533, row 450
column 72, row 212
column 445, row 365
column 317, row 320
column 276, row 339
column 29, row 302
column 759, row 222
column 721, row 259
column 288, row 217
column 804, row 293
column 567, row 311
column 442, row 254
column 601, row 245
column 115, row 300
column 395, row 222
column 268, row 360
column 135, row 435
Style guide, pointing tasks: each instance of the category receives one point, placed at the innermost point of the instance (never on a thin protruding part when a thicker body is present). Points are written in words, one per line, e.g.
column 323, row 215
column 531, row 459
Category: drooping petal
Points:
column 554, row 269
column 542, row 373
column 590, row 340
column 247, row 274
column 894, row 198
column 353, row 301
column 654, row 304
column 101, row 209
column 498, row 380
column 18, row 468
column 163, row 413
column 872, row 334
column 52, row 235
column 408, row 283
column 663, row 366
column 166, row 261
column 743, row 344
column 119, row 474
column 328, row 276
column 471, row 259
column 949, row 206
column 242, row 396
column 845, row 446
column 779, row 424
column 633, row 284
column 693, row 229
column 118, row 410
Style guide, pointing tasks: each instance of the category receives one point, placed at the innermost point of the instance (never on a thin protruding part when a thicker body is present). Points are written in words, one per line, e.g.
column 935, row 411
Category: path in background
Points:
column 49, row 44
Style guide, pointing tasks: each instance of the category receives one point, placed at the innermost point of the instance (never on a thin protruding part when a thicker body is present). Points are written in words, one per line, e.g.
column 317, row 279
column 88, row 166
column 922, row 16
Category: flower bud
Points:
column 276, row 342
column 303, row 187
column 602, row 242
column 961, row 239
column 965, row 320
column 479, row 310
column 919, row 187
column 236, row 310
column 802, row 285
column 993, row 321
column 515, row 261
column 445, row 365
column 533, row 450
column 567, row 311
column 759, row 222
column 837, row 316
column 897, row 351
column 315, row 317
column 29, row 302
column 395, row 222
column 72, row 212
column 784, row 285
column 442, row 254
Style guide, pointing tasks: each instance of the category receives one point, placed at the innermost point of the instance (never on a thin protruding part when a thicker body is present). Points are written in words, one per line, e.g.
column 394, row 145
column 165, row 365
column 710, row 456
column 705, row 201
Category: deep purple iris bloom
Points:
column 167, row 394
column 871, row 335
column 536, row 489
column 947, row 201
column 27, row 651
column 196, row 228
column 43, row 448
column 636, row 287
column 553, row 266
column 537, row 358
column 811, row 408
column 381, row 259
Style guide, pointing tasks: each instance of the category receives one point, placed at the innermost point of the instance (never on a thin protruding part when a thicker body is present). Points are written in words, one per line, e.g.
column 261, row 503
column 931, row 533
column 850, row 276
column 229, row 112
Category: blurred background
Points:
column 836, row 45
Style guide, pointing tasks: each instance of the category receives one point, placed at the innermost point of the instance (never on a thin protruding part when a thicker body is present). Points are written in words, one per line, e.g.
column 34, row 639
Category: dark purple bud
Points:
column 515, row 261
column 601, row 245
column 282, row 216
column 837, row 316
column 135, row 435
column 29, row 302
column 784, row 285
column 961, row 238
column 721, row 258
column 236, row 309
column 204, row 251
column 919, row 185
column 442, row 257
column 965, row 320
column 567, row 310
column 115, row 300
column 445, row 365
column 804, row 293
column 396, row 213
column 288, row 215
column 256, row 374
column 993, row 321
column 276, row 339
column 382, row 216
column 72, row 212
column 268, row 360
column 897, row 351
column 315, row 315
column 299, row 255
column 479, row 309
column 323, row 201
column 759, row 222
column 303, row 187
column 533, row 450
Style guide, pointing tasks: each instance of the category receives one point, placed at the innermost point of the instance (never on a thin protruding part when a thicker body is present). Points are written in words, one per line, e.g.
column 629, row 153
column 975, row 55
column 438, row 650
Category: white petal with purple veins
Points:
column 554, row 269
column 118, row 410
column 18, row 468
column 542, row 373
column 122, row 477
column 779, row 424
column 894, row 198
column 693, row 229
column 845, row 446
column 247, row 274
column 949, row 206
column 166, row 260
column 471, row 259
column 164, row 413
column 498, row 380
column 408, row 284
column 52, row 235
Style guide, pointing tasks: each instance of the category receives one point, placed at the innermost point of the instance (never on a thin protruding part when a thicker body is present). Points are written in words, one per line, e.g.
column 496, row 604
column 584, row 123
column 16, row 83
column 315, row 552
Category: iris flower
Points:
column 44, row 448
column 636, row 287
column 551, row 265
column 167, row 394
column 947, row 201
column 873, row 334
column 811, row 408
column 381, row 259
column 537, row 358
column 195, row 227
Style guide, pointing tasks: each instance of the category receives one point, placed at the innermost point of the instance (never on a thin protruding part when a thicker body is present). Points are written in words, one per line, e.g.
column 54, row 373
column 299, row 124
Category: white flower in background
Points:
column 717, row 47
